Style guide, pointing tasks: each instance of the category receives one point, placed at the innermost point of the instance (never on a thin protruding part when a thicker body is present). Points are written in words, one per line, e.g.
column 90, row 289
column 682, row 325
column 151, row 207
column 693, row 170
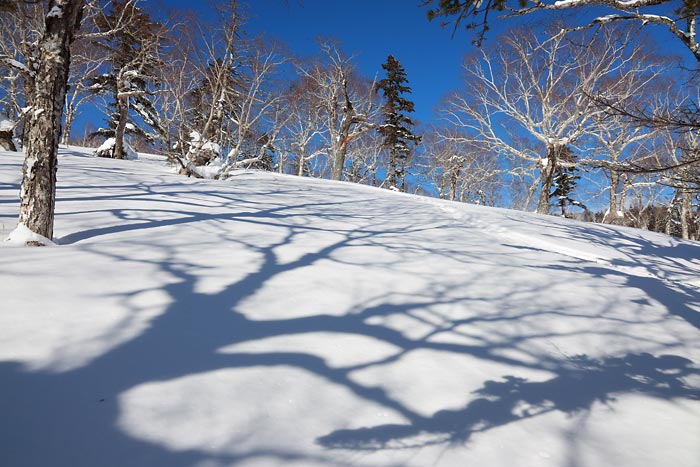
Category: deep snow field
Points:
column 270, row 320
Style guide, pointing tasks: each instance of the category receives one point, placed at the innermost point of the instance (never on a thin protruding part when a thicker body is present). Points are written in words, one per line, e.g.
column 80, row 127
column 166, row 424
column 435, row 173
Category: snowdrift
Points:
column 269, row 320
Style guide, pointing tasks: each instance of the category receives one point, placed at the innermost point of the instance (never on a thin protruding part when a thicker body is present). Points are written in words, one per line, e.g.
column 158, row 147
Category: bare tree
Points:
column 38, row 192
column 253, row 110
column 526, row 100
column 215, row 51
column 21, row 29
column 683, row 211
column 85, row 61
column 367, row 157
column 304, row 133
column 461, row 171
column 618, row 144
column 349, row 110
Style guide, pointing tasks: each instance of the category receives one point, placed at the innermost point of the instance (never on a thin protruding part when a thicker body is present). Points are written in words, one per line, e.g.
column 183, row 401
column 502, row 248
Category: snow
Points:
column 607, row 18
column 108, row 145
column 270, row 320
column 211, row 171
column 15, row 64
column 21, row 235
column 195, row 137
column 566, row 3
column 6, row 125
column 211, row 146
column 56, row 12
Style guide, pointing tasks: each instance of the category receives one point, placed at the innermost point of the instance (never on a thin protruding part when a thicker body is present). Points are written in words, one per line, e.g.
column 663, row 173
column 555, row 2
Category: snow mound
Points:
column 21, row 235
column 107, row 149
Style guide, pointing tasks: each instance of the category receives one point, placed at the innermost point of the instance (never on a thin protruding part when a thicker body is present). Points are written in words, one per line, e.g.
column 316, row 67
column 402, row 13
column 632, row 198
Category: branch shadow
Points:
column 575, row 389
column 74, row 416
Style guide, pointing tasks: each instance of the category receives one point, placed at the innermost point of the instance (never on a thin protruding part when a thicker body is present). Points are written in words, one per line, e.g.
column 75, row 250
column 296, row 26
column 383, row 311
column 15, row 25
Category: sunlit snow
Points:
column 271, row 320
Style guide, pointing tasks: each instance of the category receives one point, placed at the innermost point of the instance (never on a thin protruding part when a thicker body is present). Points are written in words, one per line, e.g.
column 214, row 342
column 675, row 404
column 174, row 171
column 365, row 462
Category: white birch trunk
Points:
column 38, row 193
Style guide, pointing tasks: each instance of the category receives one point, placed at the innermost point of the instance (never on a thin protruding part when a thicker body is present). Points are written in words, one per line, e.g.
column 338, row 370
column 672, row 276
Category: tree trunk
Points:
column 547, row 178
column 301, row 164
column 6, row 140
column 38, row 193
column 613, row 215
column 686, row 213
column 454, row 178
column 391, row 171
column 68, row 125
column 123, row 112
column 339, row 161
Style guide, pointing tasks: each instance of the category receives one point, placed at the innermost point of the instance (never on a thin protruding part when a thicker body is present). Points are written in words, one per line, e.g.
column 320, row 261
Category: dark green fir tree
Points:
column 565, row 178
column 396, row 127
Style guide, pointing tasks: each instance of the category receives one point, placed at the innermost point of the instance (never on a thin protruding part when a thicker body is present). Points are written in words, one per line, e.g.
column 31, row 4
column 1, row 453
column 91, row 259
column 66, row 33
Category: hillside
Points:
column 271, row 320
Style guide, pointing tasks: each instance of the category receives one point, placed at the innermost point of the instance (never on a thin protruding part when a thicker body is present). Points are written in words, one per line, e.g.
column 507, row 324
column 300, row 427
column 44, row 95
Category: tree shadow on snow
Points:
column 74, row 417
column 574, row 389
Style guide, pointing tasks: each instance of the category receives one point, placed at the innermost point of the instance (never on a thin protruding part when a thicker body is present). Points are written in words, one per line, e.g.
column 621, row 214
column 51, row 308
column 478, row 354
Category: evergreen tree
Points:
column 131, row 41
column 396, row 126
column 564, row 181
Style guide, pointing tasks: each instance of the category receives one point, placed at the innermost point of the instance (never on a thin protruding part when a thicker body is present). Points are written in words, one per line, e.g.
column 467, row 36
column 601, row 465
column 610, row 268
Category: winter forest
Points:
column 584, row 118
column 261, row 250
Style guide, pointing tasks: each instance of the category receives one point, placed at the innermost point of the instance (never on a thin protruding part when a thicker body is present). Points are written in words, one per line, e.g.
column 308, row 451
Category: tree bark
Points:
column 120, row 131
column 547, row 178
column 6, row 140
column 339, row 161
column 613, row 216
column 68, row 124
column 686, row 213
column 38, row 192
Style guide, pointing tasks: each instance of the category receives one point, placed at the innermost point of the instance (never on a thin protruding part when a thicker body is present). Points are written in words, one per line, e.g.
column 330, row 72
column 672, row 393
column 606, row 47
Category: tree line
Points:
column 582, row 121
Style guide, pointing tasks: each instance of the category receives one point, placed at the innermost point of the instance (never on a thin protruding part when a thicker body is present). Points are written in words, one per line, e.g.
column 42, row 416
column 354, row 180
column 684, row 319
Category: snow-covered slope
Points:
column 275, row 321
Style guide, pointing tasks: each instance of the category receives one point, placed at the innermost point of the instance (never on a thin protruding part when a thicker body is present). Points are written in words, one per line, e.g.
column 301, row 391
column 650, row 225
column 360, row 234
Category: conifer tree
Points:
column 564, row 181
column 396, row 126
column 132, row 42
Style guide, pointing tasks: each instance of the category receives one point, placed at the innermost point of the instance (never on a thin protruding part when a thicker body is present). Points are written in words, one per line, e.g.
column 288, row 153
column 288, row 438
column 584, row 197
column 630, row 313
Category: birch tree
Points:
column 253, row 110
column 461, row 171
column 527, row 100
column 215, row 56
column 38, row 190
column 304, row 133
column 683, row 210
column 21, row 28
column 85, row 61
column 349, row 110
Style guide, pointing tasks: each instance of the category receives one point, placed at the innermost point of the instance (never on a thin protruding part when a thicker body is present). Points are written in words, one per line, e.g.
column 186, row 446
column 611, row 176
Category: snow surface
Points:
column 270, row 320
column 6, row 125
